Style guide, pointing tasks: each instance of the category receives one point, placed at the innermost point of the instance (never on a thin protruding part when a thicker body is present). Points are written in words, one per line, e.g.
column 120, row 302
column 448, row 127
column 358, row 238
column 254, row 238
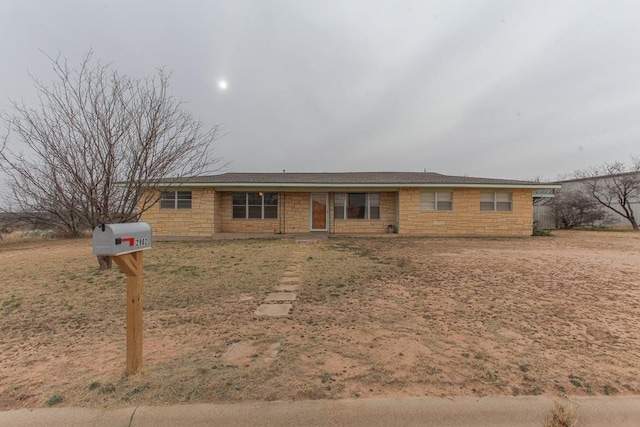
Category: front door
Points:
column 319, row 211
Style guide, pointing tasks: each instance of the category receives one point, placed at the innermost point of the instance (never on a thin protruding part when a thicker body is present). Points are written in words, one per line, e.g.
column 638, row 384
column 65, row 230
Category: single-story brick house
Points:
column 410, row 203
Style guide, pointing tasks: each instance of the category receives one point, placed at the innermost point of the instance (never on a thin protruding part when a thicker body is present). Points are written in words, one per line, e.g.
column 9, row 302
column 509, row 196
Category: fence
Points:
column 544, row 216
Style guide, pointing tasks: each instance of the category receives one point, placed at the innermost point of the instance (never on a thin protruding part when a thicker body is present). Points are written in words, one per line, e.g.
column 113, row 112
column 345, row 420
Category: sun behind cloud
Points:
column 222, row 84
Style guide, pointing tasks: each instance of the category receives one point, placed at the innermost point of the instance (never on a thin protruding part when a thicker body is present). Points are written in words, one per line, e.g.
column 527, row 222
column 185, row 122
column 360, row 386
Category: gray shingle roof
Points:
column 401, row 179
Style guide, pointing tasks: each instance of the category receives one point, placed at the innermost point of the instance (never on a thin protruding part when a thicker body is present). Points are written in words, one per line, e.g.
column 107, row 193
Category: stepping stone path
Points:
column 289, row 283
column 273, row 310
column 277, row 304
column 245, row 353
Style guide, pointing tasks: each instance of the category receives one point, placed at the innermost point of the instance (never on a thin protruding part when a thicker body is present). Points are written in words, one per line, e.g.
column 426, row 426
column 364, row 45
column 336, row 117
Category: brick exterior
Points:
column 197, row 221
column 211, row 213
column 364, row 226
column 466, row 217
column 230, row 225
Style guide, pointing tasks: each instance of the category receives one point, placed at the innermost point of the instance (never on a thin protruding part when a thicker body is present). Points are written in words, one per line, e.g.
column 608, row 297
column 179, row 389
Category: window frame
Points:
column 436, row 202
column 369, row 206
column 495, row 200
column 250, row 201
column 176, row 201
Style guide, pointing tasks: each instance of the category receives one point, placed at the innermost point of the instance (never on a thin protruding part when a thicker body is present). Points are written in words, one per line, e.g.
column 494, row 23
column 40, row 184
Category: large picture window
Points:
column 495, row 201
column 356, row 206
column 175, row 200
column 254, row 205
column 441, row 200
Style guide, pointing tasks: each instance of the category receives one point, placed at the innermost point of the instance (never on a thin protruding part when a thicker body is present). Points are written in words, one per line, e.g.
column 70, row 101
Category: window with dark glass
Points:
column 356, row 206
column 175, row 200
column 254, row 205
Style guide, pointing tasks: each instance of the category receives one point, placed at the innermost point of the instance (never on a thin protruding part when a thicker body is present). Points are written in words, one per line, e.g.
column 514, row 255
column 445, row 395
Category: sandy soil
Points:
column 373, row 317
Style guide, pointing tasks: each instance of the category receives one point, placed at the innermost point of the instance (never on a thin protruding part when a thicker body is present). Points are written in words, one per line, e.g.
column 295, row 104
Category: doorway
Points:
column 319, row 212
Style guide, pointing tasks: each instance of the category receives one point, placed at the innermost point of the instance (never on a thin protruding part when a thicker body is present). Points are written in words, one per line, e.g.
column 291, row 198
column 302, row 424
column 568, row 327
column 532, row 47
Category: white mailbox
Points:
column 119, row 239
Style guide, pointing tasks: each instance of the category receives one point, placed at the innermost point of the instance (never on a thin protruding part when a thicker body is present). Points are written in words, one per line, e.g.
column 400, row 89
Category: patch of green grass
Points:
column 108, row 388
column 580, row 382
column 139, row 389
column 534, row 391
column 576, row 380
column 609, row 390
column 494, row 378
column 541, row 233
column 55, row 399
column 94, row 385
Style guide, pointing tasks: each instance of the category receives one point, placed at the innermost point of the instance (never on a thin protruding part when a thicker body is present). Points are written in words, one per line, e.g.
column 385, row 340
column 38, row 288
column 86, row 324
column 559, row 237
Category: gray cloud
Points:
column 494, row 88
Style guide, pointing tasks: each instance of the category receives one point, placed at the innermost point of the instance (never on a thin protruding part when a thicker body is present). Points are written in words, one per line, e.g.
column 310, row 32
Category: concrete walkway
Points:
column 428, row 411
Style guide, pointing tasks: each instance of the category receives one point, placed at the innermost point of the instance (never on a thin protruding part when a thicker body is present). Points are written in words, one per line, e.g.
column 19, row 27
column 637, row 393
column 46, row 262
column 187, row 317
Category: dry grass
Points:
column 374, row 317
column 562, row 416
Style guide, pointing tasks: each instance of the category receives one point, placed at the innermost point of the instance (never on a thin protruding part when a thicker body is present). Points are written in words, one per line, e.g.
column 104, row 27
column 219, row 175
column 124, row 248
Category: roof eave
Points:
column 235, row 185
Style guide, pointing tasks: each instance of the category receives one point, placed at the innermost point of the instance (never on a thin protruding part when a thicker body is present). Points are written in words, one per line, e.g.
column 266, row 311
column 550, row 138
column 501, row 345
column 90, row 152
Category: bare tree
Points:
column 615, row 186
column 97, row 143
column 576, row 209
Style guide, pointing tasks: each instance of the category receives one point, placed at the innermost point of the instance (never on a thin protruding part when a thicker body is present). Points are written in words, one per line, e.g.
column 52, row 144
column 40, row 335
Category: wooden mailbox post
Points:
column 125, row 244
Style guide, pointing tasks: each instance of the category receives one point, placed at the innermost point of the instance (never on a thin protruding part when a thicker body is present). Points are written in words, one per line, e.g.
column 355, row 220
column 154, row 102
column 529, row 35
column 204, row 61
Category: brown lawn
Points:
column 557, row 316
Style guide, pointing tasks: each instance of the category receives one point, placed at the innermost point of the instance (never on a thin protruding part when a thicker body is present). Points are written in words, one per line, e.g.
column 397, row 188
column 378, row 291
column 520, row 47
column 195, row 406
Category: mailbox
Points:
column 119, row 239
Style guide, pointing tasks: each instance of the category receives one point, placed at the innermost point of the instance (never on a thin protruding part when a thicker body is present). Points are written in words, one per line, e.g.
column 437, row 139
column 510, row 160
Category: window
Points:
column 254, row 205
column 495, row 201
column 356, row 206
column 436, row 200
column 175, row 200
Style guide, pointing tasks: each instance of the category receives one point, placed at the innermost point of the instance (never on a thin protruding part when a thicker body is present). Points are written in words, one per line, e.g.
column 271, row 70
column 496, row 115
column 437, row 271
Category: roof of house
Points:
column 352, row 179
column 597, row 177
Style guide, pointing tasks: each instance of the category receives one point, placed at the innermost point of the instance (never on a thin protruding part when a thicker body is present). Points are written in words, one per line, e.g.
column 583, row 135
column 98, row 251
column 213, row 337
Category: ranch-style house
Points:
column 408, row 203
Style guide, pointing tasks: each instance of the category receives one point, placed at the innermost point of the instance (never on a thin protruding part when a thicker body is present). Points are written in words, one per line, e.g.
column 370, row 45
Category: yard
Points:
column 557, row 316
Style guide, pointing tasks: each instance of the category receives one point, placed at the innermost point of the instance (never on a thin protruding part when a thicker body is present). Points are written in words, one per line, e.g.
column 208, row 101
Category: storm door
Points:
column 319, row 211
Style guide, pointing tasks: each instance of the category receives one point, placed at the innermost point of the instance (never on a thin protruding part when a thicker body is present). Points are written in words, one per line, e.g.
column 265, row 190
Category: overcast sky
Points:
column 504, row 89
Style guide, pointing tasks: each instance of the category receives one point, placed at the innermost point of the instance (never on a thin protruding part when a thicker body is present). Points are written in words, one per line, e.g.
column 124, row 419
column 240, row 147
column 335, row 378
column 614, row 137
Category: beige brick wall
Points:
column 294, row 216
column 357, row 226
column 217, row 212
column 296, row 209
column 466, row 217
column 211, row 213
column 231, row 225
column 197, row 221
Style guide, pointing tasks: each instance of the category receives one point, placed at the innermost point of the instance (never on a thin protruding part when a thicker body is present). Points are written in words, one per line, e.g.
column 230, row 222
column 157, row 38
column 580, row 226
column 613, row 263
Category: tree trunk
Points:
column 104, row 261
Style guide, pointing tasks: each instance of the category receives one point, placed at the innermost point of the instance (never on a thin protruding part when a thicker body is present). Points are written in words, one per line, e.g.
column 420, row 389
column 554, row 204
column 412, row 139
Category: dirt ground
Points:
column 373, row 317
